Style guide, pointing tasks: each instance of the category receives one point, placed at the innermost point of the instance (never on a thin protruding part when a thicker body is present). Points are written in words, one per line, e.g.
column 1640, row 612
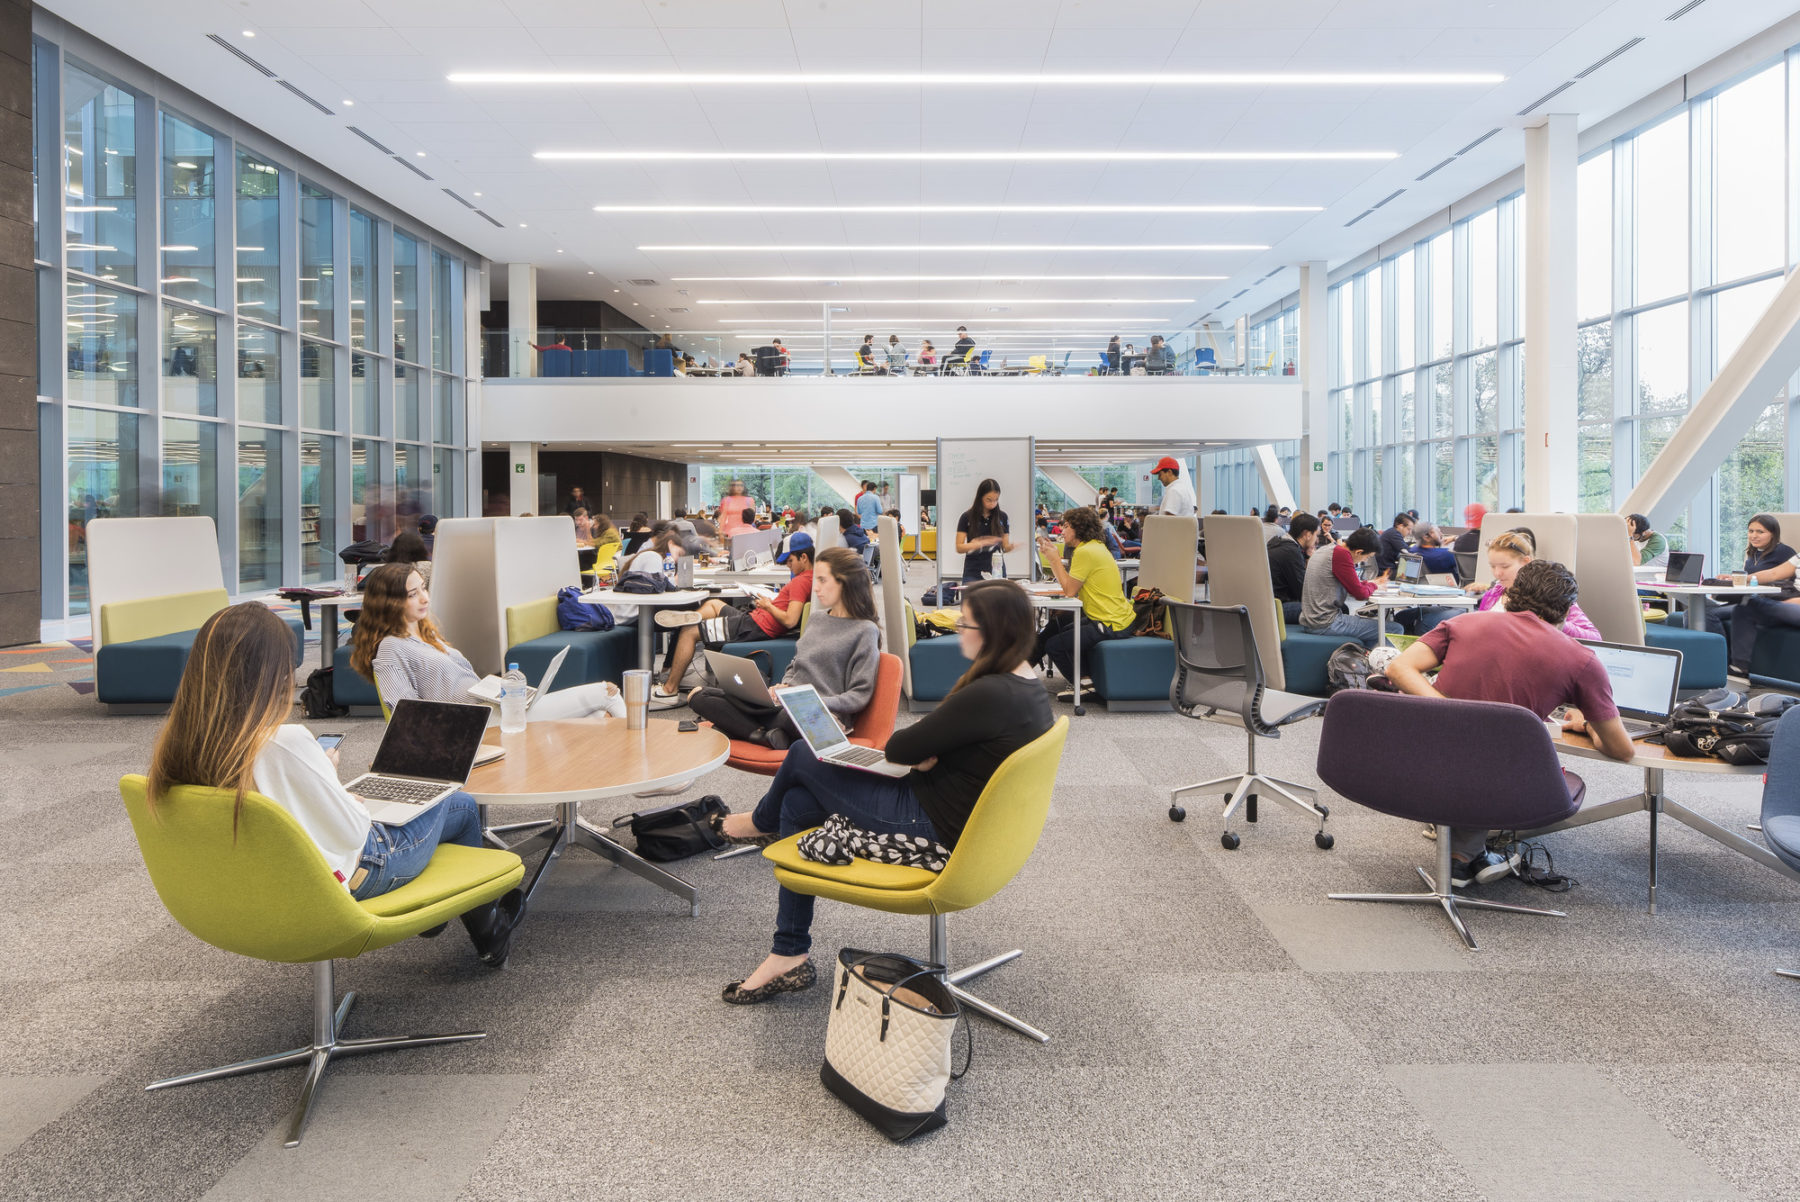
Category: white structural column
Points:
column 1753, row 376
column 1551, row 474
column 1274, row 480
column 521, row 321
column 1315, row 386
column 522, row 468
column 1072, row 483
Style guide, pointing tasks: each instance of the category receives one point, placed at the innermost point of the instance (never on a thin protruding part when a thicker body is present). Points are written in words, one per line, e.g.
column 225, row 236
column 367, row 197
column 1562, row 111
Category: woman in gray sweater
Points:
column 839, row 655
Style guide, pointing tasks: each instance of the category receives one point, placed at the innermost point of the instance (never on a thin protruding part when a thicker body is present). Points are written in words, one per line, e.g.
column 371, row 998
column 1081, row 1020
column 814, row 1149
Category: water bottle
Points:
column 512, row 701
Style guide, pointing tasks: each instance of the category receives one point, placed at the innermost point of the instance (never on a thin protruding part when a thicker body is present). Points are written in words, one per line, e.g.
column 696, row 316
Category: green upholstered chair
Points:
column 1000, row 835
column 264, row 891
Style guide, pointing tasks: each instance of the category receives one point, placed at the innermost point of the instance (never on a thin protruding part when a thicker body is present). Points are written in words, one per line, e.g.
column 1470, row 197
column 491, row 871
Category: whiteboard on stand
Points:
column 962, row 464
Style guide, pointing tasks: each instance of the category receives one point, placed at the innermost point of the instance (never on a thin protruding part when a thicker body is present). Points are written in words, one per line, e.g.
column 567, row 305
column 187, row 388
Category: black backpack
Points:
column 1348, row 668
column 316, row 698
column 1737, row 734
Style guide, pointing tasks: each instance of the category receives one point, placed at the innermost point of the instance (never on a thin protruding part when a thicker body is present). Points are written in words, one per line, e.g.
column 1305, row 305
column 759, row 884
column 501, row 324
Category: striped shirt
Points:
column 411, row 667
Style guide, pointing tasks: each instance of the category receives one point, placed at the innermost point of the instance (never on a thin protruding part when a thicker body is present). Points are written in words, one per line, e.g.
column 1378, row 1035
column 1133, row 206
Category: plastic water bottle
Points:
column 512, row 701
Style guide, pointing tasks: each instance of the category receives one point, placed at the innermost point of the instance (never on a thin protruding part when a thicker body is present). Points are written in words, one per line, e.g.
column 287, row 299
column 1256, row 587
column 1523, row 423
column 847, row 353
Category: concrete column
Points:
column 1552, row 483
column 1314, row 370
column 521, row 324
column 1241, row 331
column 23, row 463
column 522, row 465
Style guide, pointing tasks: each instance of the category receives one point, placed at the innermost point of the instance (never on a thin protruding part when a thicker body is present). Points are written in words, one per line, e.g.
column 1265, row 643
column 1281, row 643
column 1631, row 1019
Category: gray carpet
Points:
column 1220, row 1029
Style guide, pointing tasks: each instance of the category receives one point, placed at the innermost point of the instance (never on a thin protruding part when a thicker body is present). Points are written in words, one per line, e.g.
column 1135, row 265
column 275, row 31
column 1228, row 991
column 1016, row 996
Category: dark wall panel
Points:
column 19, row 489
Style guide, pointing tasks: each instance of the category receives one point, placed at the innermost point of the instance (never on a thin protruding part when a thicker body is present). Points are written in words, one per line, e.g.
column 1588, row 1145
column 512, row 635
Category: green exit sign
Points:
column 519, row 468
column 1318, row 465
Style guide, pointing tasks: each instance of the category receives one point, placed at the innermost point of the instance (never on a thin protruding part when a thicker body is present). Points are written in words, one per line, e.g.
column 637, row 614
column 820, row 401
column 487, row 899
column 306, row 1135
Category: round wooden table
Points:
column 584, row 759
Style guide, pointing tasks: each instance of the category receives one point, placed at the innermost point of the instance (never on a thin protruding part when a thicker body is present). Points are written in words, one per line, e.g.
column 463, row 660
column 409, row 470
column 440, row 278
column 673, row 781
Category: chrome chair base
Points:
column 940, row 954
column 1244, row 789
column 1445, row 895
column 569, row 829
column 327, row 1044
column 1789, row 973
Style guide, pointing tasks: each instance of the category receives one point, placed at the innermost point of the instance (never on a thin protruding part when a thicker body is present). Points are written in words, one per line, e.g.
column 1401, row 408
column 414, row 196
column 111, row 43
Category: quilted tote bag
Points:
column 887, row 1047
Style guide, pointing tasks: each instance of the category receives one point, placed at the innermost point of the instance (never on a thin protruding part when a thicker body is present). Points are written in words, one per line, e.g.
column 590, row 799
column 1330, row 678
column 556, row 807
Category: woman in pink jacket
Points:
column 1509, row 552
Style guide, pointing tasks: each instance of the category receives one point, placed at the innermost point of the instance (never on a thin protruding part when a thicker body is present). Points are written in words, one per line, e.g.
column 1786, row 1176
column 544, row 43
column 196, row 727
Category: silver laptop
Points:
column 488, row 687
column 740, row 678
column 425, row 755
column 826, row 737
column 1645, row 683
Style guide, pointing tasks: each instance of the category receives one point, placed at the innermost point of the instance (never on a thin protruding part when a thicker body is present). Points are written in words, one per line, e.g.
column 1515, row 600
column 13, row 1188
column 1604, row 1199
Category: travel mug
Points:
column 636, row 689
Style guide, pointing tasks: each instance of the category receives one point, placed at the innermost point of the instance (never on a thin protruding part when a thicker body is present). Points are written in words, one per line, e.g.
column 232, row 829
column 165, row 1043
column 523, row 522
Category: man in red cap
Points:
column 1178, row 494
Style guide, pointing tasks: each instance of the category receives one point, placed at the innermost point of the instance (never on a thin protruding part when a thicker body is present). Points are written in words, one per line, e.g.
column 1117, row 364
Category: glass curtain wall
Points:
column 1683, row 232
column 249, row 372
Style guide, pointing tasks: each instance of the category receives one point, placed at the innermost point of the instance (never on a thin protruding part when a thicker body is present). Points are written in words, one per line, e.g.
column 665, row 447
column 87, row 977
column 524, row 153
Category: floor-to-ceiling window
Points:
column 239, row 340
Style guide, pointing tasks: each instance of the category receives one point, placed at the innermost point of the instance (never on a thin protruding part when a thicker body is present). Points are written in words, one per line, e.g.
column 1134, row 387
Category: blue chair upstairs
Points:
column 1781, row 800
column 614, row 362
column 660, row 363
column 1507, row 777
column 1205, row 360
column 556, row 361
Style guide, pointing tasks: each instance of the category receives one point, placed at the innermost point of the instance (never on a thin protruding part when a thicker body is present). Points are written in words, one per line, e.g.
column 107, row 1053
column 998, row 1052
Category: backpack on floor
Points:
column 946, row 593
column 1348, row 668
column 317, row 700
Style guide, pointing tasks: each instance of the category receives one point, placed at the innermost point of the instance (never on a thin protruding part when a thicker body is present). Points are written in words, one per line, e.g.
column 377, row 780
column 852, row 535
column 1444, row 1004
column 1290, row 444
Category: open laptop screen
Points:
column 814, row 721
column 435, row 740
column 1644, row 679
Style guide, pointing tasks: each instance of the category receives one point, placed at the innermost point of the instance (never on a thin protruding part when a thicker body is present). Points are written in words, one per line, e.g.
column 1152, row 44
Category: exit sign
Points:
column 519, row 468
column 1318, row 465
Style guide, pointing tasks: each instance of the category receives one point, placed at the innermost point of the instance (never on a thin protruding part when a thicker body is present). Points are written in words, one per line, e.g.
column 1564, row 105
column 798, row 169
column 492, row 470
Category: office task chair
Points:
column 1217, row 668
column 1781, row 800
column 1205, row 360
column 1507, row 777
column 1000, row 835
column 257, row 886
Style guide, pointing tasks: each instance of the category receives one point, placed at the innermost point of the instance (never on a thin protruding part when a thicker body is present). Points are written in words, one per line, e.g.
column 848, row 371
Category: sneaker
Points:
column 1430, row 831
column 1462, row 873
column 1491, row 866
column 674, row 619
column 662, row 700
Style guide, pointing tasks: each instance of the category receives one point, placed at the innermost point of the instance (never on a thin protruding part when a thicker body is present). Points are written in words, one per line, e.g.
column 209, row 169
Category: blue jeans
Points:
column 804, row 794
column 395, row 855
column 1748, row 620
column 1360, row 630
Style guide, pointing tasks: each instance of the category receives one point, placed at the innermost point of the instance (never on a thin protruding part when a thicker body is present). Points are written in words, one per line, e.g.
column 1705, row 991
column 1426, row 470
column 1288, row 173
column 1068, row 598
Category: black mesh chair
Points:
column 1218, row 670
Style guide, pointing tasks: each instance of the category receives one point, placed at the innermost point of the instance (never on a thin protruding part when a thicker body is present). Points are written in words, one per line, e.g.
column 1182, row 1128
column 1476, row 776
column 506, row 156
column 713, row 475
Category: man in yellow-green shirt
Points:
column 1093, row 576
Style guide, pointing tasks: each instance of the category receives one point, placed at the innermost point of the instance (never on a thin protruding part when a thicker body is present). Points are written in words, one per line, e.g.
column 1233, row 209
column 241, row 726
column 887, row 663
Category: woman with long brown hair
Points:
column 997, row 707
column 399, row 649
column 228, row 729
column 839, row 654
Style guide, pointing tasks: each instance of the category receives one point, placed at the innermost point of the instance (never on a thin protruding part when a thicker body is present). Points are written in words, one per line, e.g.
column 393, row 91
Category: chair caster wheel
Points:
column 1176, row 813
column 1229, row 841
column 1324, row 841
column 1324, row 811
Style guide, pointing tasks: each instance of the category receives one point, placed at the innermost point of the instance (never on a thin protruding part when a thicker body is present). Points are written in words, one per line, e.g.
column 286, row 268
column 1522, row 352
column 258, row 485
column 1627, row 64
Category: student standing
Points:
column 868, row 506
column 981, row 530
column 1178, row 494
column 736, row 509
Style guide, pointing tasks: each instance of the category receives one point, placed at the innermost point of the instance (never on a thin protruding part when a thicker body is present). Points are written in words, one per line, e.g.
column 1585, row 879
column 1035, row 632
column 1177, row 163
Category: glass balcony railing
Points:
column 614, row 353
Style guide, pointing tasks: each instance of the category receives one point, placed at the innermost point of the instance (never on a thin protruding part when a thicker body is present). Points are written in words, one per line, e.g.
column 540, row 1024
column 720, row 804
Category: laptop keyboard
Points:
column 388, row 788
column 865, row 756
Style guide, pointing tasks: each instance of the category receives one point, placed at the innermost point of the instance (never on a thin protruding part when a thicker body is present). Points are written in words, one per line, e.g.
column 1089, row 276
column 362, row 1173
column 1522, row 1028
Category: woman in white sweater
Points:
column 227, row 729
column 398, row 649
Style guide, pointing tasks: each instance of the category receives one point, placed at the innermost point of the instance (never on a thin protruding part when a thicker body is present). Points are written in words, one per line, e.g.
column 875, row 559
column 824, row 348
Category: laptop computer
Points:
column 488, row 687
column 425, row 755
column 739, row 677
column 1645, row 683
column 1685, row 567
column 826, row 738
column 1410, row 576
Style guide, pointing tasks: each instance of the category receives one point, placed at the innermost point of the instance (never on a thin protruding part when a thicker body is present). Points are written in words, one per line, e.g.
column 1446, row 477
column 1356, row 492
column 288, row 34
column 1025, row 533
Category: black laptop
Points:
column 1685, row 567
column 425, row 755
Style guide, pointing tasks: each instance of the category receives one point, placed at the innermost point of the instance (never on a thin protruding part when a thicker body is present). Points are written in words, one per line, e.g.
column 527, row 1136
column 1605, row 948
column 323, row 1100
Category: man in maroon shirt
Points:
column 1517, row 655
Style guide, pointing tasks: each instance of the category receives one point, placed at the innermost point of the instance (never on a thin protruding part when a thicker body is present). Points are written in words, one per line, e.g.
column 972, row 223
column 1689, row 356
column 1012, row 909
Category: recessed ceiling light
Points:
column 478, row 194
column 419, row 153
column 917, row 279
column 958, row 208
column 590, row 273
column 1147, row 79
column 615, row 289
column 964, row 247
column 953, row 300
column 522, row 225
column 559, row 250
column 968, row 156
column 249, row 33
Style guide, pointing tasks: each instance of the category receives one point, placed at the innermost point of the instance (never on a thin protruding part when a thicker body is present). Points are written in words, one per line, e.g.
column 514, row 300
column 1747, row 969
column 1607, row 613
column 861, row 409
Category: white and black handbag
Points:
column 887, row 1048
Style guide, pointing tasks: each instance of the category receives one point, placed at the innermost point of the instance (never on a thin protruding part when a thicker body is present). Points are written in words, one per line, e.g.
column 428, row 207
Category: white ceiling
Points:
column 392, row 58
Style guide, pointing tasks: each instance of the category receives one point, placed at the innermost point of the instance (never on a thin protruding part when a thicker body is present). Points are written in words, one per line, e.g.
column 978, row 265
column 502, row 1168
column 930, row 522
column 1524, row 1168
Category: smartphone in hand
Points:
column 330, row 742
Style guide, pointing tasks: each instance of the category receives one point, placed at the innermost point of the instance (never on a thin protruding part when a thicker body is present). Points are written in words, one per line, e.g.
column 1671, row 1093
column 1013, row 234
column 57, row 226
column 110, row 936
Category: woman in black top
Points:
column 1767, row 560
column 981, row 530
column 996, row 708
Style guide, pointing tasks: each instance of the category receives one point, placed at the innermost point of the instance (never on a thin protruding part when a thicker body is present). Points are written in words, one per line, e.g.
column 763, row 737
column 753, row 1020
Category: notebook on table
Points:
column 1646, row 683
column 827, row 739
column 425, row 755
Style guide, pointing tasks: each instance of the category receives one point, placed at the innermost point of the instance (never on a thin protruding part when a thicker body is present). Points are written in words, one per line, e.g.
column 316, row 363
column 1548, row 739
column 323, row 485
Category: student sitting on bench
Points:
column 716, row 623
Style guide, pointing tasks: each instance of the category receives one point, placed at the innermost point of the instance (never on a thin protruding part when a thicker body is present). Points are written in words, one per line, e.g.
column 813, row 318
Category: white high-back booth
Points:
column 129, row 559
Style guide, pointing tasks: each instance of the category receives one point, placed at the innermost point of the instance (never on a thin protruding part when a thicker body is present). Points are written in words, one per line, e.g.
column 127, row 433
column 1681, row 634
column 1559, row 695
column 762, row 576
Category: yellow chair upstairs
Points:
column 1000, row 836
column 264, row 891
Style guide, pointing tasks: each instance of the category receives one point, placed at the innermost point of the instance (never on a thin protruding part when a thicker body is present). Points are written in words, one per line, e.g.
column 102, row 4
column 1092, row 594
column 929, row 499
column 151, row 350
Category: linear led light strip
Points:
column 1147, row 79
column 961, row 248
column 964, row 156
column 916, row 279
column 963, row 319
column 958, row 209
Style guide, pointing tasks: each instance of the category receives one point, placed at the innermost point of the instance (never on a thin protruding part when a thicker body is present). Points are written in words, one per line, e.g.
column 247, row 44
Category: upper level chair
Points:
column 256, row 885
column 1502, row 774
column 1217, row 668
column 872, row 727
column 999, row 837
column 1205, row 360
